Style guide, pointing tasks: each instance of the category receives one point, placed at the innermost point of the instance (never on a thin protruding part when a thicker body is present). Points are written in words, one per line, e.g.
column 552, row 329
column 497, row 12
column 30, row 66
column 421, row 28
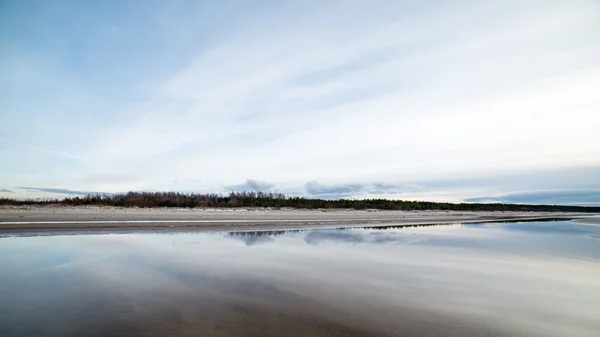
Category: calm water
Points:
column 510, row 279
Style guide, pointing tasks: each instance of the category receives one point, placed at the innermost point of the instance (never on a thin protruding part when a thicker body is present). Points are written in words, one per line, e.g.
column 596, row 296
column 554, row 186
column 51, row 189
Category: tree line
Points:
column 278, row 200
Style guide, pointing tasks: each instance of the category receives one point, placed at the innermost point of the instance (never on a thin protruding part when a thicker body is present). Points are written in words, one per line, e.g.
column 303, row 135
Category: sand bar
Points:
column 589, row 220
column 95, row 217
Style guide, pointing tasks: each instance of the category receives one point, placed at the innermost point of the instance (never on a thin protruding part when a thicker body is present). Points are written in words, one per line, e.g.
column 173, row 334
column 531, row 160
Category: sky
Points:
column 421, row 100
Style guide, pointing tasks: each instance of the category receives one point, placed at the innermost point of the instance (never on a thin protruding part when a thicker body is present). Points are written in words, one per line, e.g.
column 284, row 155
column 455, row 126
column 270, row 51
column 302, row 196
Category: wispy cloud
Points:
column 40, row 149
column 61, row 191
column 186, row 180
column 331, row 99
column 4, row 190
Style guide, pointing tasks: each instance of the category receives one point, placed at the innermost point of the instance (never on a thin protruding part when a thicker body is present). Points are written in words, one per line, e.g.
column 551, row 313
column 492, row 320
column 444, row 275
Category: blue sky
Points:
column 437, row 100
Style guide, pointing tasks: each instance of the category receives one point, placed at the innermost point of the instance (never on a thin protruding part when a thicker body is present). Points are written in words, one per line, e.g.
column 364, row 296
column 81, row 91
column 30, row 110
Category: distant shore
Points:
column 106, row 217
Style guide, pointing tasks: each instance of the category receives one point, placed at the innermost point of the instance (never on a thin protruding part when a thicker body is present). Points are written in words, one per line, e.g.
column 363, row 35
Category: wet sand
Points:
column 247, row 308
column 590, row 220
column 93, row 217
column 506, row 279
column 226, row 307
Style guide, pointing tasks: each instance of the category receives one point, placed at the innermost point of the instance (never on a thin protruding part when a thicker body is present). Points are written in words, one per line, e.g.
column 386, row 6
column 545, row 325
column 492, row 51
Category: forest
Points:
column 278, row 200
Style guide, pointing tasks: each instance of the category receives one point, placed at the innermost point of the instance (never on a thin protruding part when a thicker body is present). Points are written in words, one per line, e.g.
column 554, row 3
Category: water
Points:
column 508, row 279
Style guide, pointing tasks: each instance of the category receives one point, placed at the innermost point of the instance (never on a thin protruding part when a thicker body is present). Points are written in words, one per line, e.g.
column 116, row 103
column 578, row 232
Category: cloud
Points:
column 333, row 190
column 358, row 189
column 564, row 186
column 41, row 149
column 356, row 99
column 563, row 178
column 4, row 190
column 184, row 180
column 61, row 191
column 391, row 188
column 583, row 198
column 251, row 185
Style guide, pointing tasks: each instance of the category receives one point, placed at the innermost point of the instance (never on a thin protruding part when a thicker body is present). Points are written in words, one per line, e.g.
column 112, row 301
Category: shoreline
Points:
column 57, row 218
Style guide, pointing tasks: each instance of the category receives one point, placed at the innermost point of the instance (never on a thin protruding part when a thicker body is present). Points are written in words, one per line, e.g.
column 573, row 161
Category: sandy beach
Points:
column 95, row 217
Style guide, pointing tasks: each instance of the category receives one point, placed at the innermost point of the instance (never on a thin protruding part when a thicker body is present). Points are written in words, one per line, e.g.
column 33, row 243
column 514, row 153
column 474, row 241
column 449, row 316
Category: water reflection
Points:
column 445, row 280
column 356, row 237
column 409, row 233
column 557, row 227
column 319, row 236
column 252, row 238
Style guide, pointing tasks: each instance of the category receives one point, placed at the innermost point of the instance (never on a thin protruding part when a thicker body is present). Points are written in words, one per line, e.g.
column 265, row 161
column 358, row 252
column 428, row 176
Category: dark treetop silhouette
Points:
column 278, row 200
